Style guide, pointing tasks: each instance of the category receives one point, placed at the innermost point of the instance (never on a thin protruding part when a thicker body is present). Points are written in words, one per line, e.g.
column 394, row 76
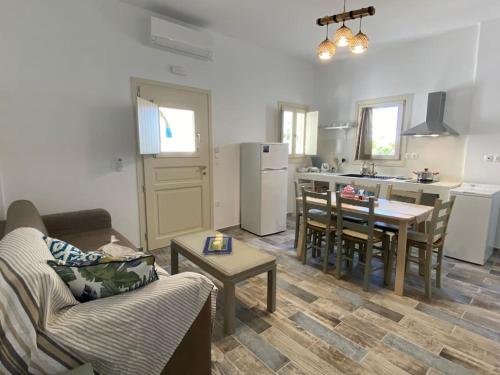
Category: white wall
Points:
column 484, row 135
column 2, row 200
column 66, row 113
column 439, row 63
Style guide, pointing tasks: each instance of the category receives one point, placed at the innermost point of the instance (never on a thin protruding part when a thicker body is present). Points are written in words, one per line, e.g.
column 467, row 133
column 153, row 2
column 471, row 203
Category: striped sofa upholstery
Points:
column 44, row 330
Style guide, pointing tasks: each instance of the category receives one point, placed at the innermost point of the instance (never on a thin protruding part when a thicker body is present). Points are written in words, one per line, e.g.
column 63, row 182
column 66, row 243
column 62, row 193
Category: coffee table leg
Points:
column 229, row 307
column 271, row 290
column 174, row 259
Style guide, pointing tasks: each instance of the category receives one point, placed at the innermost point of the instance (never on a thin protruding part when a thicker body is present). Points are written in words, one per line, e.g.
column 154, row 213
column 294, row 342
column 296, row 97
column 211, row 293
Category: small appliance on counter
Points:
column 473, row 223
column 316, row 161
column 325, row 167
column 426, row 176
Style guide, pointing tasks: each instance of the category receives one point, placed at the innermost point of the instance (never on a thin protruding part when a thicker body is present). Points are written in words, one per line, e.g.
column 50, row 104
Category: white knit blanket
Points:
column 44, row 330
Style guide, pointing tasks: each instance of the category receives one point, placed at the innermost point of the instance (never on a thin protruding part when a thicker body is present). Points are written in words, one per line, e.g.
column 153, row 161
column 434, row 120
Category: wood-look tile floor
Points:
column 327, row 326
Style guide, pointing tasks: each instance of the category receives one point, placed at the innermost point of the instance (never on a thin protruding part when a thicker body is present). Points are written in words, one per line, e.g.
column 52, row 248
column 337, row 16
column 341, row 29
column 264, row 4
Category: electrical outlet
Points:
column 414, row 156
column 407, row 156
column 496, row 158
column 217, row 203
column 489, row 158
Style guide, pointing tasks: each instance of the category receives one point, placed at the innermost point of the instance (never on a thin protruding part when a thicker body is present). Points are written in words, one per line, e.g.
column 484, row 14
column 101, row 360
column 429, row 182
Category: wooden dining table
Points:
column 397, row 213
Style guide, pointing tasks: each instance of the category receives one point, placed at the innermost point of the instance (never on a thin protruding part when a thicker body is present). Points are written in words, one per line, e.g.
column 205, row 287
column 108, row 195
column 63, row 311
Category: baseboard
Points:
column 232, row 227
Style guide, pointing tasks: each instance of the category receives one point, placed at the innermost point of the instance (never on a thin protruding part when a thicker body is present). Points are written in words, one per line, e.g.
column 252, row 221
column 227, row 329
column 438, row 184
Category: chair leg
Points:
column 427, row 272
column 297, row 228
column 386, row 245
column 421, row 263
column 338, row 263
column 314, row 242
column 368, row 267
column 439, row 265
column 390, row 260
column 304, row 244
column 327, row 252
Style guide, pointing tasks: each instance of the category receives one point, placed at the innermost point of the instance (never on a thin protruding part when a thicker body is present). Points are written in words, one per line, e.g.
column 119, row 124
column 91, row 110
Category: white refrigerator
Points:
column 263, row 187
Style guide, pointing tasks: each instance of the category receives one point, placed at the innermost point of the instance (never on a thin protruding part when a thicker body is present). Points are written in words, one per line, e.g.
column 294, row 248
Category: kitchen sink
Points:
column 357, row 175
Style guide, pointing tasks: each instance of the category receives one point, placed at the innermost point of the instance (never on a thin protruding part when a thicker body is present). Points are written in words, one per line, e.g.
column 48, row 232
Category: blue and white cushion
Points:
column 62, row 250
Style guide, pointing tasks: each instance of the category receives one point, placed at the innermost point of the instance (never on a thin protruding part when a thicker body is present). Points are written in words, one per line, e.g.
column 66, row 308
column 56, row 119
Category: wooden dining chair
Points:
column 371, row 190
column 429, row 243
column 363, row 234
column 298, row 206
column 318, row 227
column 414, row 197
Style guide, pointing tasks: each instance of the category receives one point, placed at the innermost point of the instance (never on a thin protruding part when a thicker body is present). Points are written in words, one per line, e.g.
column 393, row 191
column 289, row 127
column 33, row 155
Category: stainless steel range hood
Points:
column 434, row 125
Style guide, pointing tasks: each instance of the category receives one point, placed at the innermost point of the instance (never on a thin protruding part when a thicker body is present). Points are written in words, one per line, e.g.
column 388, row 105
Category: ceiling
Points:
column 290, row 25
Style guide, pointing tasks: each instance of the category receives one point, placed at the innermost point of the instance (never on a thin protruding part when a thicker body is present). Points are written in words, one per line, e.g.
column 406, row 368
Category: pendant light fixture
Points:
column 326, row 49
column 359, row 43
column 343, row 35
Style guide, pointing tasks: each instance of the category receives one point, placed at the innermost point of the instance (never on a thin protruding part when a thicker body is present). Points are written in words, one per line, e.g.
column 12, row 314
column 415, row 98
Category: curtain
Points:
column 364, row 138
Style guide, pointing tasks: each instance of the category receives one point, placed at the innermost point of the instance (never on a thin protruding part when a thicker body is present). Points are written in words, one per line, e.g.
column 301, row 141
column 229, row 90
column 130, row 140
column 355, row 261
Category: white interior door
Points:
column 177, row 185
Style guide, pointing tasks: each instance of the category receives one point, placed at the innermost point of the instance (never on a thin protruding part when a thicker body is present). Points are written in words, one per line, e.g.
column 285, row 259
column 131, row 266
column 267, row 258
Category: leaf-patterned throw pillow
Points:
column 68, row 253
column 89, row 280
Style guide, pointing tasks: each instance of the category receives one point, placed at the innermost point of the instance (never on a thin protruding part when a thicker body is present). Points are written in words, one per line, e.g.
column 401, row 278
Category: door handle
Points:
column 198, row 141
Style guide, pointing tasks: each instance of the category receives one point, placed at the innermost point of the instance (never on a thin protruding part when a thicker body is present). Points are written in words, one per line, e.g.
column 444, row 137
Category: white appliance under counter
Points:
column 473, row 222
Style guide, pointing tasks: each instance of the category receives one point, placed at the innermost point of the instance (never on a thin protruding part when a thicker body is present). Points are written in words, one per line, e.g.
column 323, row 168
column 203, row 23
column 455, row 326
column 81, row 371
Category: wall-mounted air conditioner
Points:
column 181, row 39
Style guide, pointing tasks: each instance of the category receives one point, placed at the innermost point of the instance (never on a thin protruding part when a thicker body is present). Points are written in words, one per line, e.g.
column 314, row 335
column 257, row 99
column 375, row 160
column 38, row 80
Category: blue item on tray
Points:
column 227, row 246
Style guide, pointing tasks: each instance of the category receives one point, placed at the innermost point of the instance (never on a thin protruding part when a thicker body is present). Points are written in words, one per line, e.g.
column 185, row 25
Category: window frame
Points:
column 295, row 108
column 405, row 103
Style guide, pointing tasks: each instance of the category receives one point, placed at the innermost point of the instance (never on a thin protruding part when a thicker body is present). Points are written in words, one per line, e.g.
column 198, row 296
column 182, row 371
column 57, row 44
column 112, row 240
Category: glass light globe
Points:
column 343, row 36
column 359, row 43
column 326, row 50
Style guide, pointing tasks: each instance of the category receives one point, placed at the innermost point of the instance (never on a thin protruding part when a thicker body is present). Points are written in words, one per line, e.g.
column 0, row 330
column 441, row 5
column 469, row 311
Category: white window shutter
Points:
column 311, row 147
column 148, row 124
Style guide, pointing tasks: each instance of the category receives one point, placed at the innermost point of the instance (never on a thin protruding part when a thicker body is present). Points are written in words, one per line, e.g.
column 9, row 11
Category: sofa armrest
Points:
column 77, row 221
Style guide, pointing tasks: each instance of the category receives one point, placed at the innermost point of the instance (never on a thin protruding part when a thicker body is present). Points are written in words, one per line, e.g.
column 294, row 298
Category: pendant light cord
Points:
column 343, row 22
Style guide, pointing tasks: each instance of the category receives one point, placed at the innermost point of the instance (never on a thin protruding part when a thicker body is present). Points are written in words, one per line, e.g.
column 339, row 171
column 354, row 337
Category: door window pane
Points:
column 385, row 129
column 177, row 130
column 287, row 130
column 299, row 139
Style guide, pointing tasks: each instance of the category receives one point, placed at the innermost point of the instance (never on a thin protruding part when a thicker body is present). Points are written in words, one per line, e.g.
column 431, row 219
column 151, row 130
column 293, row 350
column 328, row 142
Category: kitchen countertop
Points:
column 441, row 187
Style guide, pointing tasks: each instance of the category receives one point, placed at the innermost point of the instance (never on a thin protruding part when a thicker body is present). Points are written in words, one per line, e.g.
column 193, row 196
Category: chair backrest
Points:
column 300, row 185
column 414, row 197
column 438, row 225
column 318, row 202
column 366, row 225
column 372, row 190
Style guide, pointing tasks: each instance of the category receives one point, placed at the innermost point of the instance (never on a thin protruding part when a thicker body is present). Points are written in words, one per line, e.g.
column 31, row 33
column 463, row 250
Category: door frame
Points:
column 135, row 83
